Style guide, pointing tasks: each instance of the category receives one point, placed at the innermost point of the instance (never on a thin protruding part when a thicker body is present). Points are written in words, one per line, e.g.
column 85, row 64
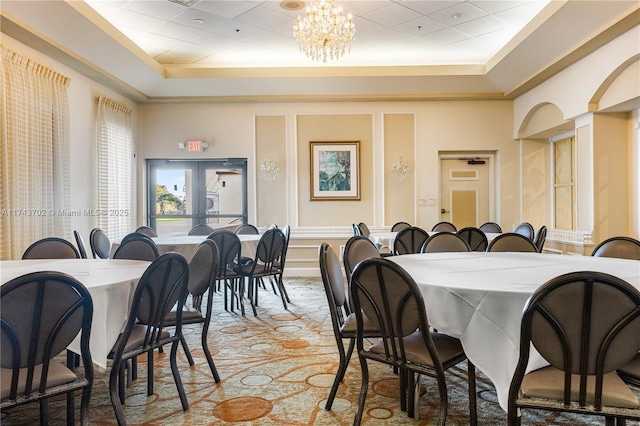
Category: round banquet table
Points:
column 187, row 245
column 111, row 283
column 386, row 239
column 479, row 297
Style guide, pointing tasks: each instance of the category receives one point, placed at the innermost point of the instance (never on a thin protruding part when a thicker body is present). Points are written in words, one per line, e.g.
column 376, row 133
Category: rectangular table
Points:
column 111, row 284
column 479, row 297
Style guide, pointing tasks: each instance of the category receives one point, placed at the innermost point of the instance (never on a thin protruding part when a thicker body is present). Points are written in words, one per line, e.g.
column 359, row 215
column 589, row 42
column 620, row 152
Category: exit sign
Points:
column 194, row 146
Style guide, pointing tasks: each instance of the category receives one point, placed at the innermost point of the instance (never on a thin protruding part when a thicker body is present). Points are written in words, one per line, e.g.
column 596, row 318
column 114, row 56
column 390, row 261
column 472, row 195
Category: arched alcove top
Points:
column 543, row 121
column 620, row 91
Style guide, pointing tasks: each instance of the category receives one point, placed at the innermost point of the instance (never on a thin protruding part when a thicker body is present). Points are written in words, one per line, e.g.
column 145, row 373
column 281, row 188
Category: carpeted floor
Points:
column 277, row 369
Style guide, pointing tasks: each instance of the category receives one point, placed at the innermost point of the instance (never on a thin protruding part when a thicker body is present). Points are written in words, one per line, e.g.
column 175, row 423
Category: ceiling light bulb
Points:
column 457, row 15
column 198, row 21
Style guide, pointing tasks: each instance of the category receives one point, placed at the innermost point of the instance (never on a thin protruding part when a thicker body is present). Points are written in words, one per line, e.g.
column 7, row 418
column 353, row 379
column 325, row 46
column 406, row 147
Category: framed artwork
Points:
column 335, row 170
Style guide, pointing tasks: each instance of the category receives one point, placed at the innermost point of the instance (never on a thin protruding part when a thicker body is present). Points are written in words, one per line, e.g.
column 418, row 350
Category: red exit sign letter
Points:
column 194, row 146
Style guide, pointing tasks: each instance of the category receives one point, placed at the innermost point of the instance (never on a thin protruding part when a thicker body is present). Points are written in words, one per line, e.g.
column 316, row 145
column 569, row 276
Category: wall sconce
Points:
column 269, row 169
column 400, row 168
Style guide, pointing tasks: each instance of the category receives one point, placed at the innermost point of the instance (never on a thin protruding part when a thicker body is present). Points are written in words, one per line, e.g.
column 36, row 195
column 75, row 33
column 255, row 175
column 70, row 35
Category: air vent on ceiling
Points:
column 186, row 3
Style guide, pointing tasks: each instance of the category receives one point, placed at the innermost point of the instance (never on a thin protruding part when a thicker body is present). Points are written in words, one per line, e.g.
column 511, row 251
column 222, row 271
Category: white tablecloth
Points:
column 111, row 284
column 479, row 297
column 188, row 244
column 386, row 239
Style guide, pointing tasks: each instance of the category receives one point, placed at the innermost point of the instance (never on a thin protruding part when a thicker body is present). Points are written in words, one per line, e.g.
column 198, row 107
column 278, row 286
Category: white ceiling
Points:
column 390, row 59
column 259, row 33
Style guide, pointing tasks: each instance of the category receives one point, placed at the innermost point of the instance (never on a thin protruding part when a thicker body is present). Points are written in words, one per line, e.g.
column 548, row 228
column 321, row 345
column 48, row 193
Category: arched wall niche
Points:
column 620, row 91
column 543, row 121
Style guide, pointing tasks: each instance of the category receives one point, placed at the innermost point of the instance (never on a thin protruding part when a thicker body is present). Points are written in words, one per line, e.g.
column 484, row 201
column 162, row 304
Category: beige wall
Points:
column 399, row 142
column 271, row 144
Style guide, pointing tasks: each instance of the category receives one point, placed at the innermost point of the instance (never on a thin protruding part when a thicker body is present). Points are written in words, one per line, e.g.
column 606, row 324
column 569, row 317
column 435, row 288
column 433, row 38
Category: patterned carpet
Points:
column 277, row 369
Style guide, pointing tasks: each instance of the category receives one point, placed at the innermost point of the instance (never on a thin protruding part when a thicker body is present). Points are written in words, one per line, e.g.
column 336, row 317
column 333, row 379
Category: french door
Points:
column 184, row 193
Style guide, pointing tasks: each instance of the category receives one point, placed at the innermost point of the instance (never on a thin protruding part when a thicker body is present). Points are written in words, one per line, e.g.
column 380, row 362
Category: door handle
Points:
column 443, row 211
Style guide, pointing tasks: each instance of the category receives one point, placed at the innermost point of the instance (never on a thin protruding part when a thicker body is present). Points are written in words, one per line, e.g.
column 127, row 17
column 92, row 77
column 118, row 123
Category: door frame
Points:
column 490, row 157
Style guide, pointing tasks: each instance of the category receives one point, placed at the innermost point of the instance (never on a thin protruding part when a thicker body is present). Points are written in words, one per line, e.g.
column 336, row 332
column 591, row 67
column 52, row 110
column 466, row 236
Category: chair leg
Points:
column 283, row 289
column 473, row 410
column 363, row 391
column 411, row 391
column 150, row 371
column 84, row 406
column 416, row 398
column 342, row 368
column 187, row 352
column 44, row 411
column 115, row 379
column 70, row 409
column 403, row 389
column 207, row 352
column 176, row 376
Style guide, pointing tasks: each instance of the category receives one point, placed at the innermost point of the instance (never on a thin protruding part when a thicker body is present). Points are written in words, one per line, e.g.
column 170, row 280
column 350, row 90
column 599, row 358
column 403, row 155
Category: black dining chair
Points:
column 51, row 248
column 444, row 227
column 137, row 247
column 476, row 239
column 389, row 298
column 399, row 226
column 42, row 313
column 265, row 264
column 200, row 229
column 343, row 319
column 147, row 230
column 409, row 240
column 227, row 273
column 202, row 280
column 99, row 243
column 621, row 247
column 512, row 242
column 491, row 227
column 525, row 229
column 444, row 242
column 584, row 342
column 356, row 249
column 162, row 286
column 247, row 228
column 540, row 238
column 80, row 243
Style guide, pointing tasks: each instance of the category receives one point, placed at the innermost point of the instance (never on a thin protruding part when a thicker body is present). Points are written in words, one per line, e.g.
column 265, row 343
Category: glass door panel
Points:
column 184, row 193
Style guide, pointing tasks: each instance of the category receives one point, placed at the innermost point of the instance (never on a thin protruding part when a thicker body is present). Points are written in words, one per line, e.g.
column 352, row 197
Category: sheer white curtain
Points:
column 116, row 169
column 34, row 157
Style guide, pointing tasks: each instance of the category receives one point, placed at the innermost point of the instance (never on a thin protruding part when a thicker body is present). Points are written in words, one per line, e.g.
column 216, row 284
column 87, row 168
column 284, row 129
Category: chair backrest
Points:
column 100, row 244
column 270, row 248
column 162, row 286
column 80, row 243
column 137, row 247
column 42, row 313
column 409, row 240
column 355, row 251
column 333, row 286
column 229, row 249
column 286, row 230
column 476, row 239
column 510, row 241
column 200, row 229
column 491, row 227
column 399, row 226
column 444, row 227
column 525, row 229
column 540, row 238
column 364, row 229
column 356, row 229
column 598, row 332
column 202, row 271
column 147, row 230
column 51, row 248
column 387, row 295
column 443, row 242
column 621, row 247
column 247, row 228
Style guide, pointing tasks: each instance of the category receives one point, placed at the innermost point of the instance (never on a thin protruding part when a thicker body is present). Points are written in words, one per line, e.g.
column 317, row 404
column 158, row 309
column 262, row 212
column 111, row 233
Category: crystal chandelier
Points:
column 324, row 32
column 400, row 168
column 269, row 169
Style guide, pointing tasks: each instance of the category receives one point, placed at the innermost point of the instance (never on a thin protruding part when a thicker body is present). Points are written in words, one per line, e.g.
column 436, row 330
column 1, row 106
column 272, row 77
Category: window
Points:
column 116, row 183
column 564, row 184
column 34, row 159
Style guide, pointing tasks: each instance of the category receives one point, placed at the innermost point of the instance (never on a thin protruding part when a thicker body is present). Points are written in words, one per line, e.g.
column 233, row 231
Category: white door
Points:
column 465, row 195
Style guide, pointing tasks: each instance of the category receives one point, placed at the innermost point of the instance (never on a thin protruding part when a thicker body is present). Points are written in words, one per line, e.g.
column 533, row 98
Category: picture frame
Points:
column 335, row 170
